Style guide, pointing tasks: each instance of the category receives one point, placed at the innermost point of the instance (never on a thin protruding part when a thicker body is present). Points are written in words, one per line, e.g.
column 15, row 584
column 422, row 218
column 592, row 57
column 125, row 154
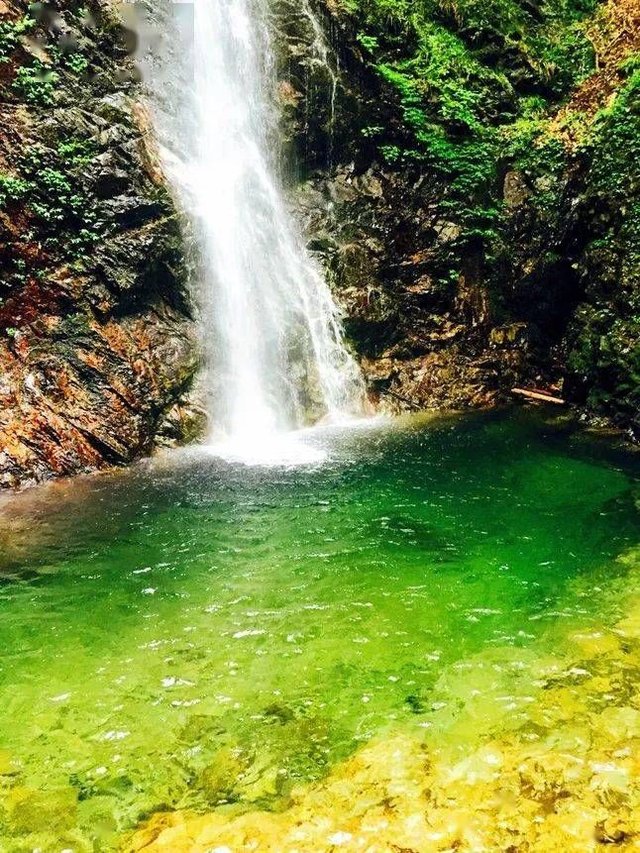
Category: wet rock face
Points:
column 423, row 342
column 423, row 328
column 326, row 94
column 525, row 276
column 97, row 348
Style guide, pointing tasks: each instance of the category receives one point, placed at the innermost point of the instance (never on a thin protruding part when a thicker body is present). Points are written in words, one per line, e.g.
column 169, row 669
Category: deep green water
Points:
column 195, row 632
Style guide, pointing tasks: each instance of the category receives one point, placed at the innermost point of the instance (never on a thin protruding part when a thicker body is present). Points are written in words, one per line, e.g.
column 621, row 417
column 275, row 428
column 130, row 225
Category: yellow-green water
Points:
column 198, row 634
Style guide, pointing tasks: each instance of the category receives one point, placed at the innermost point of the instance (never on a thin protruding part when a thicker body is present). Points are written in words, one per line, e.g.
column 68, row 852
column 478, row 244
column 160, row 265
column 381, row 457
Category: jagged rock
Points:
column 549, row 298
column 97, row 342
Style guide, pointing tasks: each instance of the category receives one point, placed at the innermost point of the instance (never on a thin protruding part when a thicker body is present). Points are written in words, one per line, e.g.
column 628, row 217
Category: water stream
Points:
column 276, row 355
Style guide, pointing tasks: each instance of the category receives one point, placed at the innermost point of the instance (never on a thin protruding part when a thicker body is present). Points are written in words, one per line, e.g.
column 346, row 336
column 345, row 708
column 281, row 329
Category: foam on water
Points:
column 280, row 449
column 306, row 446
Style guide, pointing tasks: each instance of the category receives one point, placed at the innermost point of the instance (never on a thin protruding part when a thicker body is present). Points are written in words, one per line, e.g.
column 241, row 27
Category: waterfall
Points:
column 276, row 357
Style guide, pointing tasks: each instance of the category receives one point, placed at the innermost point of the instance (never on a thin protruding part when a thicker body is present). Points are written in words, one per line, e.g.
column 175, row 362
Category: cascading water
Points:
column 276, row 355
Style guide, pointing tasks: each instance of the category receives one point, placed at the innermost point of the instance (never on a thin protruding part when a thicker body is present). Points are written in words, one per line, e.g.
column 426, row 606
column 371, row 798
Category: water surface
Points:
column 196, row 633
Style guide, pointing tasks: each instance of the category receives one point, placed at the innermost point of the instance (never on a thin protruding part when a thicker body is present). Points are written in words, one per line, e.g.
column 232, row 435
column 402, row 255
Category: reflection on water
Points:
column 195, row 633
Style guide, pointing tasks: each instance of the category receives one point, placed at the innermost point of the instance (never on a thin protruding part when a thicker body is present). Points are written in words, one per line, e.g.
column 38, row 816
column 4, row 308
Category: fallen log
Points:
column 542, row 396
column 406, row 400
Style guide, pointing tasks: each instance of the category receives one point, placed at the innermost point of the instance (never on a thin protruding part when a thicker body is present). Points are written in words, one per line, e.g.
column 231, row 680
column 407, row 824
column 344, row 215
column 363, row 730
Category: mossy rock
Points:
column 29, row 810
column 219, row 779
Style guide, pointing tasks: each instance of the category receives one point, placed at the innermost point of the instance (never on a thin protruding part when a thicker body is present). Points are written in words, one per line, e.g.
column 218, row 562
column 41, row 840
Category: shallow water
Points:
column 196, row 633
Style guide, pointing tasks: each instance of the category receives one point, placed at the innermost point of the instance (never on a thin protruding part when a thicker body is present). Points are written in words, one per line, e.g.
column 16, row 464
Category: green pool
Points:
column 196, row 633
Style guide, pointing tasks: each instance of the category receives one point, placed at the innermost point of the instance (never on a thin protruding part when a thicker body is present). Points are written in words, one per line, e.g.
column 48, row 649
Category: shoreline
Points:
column 576, row 419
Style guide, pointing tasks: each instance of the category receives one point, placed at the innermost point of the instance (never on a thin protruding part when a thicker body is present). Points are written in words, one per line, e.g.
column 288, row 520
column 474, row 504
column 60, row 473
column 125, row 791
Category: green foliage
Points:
column 613, row 148
column 369, row 43
column 10, row 33
column 52, row 192
column 605, row 355
column 12, row 189
column 604, row 352
column 56, row 200
column 478, row 84
column 54, row 183
column 474, row 81
column 392, row 154
column 77, row 62
column 539, row 156
column 35, row 79
column 562, row 57
column 616, row 137
column 76, row 152
column 35, row 83
column 48, row 185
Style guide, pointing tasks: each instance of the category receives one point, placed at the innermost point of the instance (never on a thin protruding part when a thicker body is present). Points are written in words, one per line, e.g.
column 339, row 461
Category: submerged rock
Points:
column 220, row 779
column 555, row 767
column 30, row 811
column 401, row 793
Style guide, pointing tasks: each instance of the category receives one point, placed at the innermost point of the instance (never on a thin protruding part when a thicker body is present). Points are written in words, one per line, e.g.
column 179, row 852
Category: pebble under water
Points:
column 199, row 634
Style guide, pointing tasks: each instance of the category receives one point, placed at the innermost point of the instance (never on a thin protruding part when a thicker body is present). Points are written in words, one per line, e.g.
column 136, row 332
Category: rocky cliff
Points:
column 477, row 206
column 97, row 344
column 467, row 171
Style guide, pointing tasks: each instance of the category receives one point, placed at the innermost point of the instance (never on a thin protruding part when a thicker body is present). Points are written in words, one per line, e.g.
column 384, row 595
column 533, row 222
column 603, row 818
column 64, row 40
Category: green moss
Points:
column 604, row 338
column 473, row 80
column 613, row 146
column 613, row 149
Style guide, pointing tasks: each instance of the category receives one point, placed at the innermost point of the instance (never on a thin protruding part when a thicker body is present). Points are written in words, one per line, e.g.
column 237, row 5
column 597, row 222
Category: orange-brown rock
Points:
column 97, row 344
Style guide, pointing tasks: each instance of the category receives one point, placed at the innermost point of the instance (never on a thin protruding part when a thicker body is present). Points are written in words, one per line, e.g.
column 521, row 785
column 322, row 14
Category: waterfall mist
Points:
column 276, row 358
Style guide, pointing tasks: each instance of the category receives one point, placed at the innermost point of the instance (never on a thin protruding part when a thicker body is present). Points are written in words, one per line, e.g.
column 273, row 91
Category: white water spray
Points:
column 276, row 355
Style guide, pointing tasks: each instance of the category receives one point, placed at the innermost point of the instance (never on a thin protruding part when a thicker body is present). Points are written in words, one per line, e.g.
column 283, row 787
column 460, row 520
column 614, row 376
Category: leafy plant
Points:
column 36, row 83
column 10, row 33
column 12, row 189
column 77, row 62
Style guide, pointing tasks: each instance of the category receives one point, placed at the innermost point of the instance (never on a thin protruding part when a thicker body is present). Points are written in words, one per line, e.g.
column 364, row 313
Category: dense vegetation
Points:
column 473, row 79
column 540, row 96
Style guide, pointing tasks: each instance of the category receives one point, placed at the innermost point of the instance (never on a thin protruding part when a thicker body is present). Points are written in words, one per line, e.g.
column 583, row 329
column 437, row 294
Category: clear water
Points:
column 198, row 633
